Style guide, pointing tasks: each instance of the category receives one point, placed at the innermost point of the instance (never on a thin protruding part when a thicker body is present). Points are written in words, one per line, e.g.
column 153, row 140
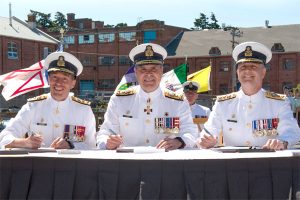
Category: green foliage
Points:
column 44, row 20
column 121, row 25
column 203, row 22
column 109, row 26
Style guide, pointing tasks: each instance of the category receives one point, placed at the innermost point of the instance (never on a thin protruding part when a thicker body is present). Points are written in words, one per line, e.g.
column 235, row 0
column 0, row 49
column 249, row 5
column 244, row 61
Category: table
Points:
column 179, row 174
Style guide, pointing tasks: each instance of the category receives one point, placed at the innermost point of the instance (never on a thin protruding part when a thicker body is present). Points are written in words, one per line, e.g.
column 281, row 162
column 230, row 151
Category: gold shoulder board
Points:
column 38, row 98
column 81, row 101
column 173, row 95
column 127, row 92
column 226, row 97
column 273, row 95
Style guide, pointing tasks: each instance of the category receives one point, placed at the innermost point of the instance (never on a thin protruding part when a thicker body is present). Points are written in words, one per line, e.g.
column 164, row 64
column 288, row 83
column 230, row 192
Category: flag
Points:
column 24, row 80
column 174, row 78
column 128, row 80
column 202, row 77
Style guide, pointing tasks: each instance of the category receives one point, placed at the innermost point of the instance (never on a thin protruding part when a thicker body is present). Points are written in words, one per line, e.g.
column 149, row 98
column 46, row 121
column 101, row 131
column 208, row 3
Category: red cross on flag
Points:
column 23, row 80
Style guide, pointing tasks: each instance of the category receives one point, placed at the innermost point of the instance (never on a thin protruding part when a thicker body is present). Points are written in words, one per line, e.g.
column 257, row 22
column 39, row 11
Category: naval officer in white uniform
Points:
column 252, row 116
column 190, row 89
column 58, row 119
column 147, row 114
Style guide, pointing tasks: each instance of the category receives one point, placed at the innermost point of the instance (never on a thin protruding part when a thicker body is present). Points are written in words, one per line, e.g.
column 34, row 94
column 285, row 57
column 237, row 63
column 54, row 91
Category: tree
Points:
column 109, row 26
column 121, row 25
column 214, row 22
column 203, row 22
column 60, row 20
column 43, row 20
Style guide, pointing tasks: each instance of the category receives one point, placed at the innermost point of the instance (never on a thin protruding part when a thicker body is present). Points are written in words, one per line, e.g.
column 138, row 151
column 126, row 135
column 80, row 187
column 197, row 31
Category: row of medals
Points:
column 265, row 127
column 166, row 125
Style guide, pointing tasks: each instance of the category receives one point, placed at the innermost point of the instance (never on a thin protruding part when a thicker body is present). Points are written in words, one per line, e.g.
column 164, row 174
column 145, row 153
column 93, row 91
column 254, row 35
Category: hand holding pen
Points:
column 207, row 140
column 34, row 140
column 114, row 140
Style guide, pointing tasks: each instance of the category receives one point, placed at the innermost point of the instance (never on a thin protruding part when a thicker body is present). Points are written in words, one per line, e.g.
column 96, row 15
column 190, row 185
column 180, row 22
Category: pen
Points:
column 31, row 133
column 207, row 131
column 112, row 132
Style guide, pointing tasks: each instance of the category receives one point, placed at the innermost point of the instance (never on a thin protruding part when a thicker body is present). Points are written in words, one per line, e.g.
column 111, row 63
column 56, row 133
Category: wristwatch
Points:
column 285, row 143
column 182, row 142
column 70, row 143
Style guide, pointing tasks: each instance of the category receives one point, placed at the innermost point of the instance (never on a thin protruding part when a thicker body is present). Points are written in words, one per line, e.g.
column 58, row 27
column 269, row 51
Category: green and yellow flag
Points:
column 202, row 77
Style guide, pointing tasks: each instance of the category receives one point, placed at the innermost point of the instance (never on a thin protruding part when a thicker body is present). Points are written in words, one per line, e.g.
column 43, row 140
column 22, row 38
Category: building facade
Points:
column 104, row 51
column 22, row 45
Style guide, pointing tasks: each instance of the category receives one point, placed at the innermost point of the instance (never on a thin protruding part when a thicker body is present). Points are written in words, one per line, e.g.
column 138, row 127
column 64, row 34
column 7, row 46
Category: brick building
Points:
column 203, row 47
column 21, row 45
column 104, row 51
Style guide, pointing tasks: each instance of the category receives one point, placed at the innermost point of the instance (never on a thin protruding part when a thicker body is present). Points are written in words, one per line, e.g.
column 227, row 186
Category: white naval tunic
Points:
column 126, row 116
column 234, row 117
column 48, row 117
column 199, row 111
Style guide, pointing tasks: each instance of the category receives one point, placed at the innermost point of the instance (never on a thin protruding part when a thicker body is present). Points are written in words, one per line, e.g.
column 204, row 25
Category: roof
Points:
column 20, row 29
column 198, row 43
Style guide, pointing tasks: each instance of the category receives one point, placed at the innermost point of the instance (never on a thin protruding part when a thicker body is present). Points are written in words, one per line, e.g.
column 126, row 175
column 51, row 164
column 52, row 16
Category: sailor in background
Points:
column 251, row 116
column 57, row 119
column 147, row 114
column 200, row 113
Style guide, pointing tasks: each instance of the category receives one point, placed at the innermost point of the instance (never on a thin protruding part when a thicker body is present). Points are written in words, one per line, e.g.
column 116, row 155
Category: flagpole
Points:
column 210, row 79
column 187, row 67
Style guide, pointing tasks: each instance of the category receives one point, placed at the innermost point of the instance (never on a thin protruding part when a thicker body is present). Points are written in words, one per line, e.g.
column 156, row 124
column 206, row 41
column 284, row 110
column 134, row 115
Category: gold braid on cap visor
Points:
column 61, row 70
column 144, row 62
column 254, row 60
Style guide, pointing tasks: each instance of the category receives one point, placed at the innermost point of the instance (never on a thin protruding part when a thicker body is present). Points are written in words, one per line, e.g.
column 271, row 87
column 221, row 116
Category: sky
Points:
column 182, row 13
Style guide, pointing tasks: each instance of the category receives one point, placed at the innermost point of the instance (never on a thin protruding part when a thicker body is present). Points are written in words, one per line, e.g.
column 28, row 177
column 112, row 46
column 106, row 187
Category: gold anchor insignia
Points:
column 148, row 108
column 61, row 61
column 149, row 51
column 248, row 51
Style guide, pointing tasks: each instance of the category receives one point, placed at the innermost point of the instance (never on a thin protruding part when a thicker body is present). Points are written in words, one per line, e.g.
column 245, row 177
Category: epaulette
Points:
column 226, row 97
column 129, row 91
column 81, row 101
column 38, row 98
column 173, row 95
column 273, row 95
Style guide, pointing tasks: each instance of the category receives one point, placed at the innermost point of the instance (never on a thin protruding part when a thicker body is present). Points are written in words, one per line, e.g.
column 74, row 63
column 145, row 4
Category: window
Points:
column 224, row 66
column 127, row 36
column 81, row 25
column 106, row 84
column 277, row 47
column 223, row 88
column 86, row 39
column 69, row 39
column 106, row 37
column 214, row 51
column 124, row 60
column 106, row 60
column 86, row 89
column 288, row 64
column 12, row 50
column 47, row 51
column 267, row 86
column 268, row 66
column 86, row 61
column 149, row 36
